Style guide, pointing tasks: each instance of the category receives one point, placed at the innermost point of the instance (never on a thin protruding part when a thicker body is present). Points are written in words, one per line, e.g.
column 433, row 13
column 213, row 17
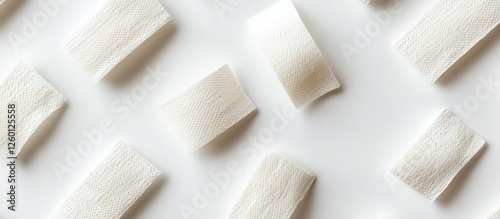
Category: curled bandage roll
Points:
column 446, row 33
column 112, row 187
column 274, row 191
column 495, row 215
column 293, row 54
column 432, row 163
column 34, row 99
column 207, row 109
column 117, row 30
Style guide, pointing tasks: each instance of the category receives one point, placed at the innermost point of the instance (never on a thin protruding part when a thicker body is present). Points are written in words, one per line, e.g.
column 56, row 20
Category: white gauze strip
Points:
column 207, row 109
column 112, row 187
column 432, row 163
column 290, row 49
column 274, row 191
column 119, row 28
column 495, row 215
column 365, row 2
column 34, row 100
column 446, row 33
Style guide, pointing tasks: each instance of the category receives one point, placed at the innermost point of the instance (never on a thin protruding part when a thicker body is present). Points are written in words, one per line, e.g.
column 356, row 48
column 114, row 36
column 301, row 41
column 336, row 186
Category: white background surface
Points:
column 349, row 138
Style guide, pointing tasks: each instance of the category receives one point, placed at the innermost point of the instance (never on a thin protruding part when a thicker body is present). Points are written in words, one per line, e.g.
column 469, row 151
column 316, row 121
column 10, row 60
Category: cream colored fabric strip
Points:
column 112, row 187
column 118, row 29
column 290, row 49
column 432, row 163
column 274, row 191
column 207, row 109
column 446, row 33
column 34, row 100
column 495, row 215
column 365, row 2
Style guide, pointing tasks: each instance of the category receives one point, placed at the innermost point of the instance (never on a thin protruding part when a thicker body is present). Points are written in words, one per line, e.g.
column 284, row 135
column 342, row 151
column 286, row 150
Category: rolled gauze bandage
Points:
column 495, row 215
column 117, row 30
column 27, row 100
column 207, row 109
column 432, row 163
column 446, row 33
column 365, row 2
column 293, row 54
column 274, row 191
column 112, row 187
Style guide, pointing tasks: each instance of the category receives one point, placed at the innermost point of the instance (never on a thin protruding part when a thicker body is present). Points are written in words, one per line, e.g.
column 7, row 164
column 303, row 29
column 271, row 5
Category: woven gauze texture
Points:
column 35, row 100
column 432, row 163
column 112, row 187
column 290, row 49
column 274, row 191
column 119, row 28
column 207, row 109
column 446, row 33
column 495, row 215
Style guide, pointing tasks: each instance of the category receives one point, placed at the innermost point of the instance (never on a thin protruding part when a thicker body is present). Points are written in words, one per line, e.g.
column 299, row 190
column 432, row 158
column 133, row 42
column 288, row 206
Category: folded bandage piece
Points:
column 117, row 30
column 112, row 187
column 495, row 215
column 446, row 33
column 290, row 49
column 207, row 109
column 432, row 163
column 274, row 191
column 34, row 100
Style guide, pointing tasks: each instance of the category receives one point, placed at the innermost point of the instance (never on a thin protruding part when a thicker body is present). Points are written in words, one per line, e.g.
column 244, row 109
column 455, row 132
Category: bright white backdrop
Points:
column 348, row 138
